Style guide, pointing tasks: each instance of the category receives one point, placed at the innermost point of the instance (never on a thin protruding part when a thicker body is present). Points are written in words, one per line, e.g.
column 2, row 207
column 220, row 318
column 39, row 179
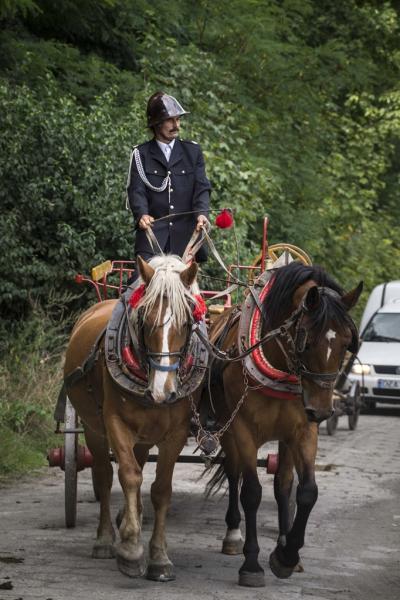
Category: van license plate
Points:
column 389, row 383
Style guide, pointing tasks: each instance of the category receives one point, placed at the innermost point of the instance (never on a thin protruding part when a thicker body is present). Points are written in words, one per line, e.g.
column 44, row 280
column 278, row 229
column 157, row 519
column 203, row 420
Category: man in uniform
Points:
column 167, row 177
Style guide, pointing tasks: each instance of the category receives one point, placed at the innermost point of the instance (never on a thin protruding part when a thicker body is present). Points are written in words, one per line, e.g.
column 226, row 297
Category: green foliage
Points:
column 19, row 454
column 30, row 379
column 63, row 171
column 30, row 62
column 10, row 8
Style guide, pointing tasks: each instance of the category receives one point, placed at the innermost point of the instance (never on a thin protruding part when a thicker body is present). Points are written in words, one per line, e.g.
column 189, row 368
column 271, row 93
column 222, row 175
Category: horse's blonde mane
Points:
column 166, row 282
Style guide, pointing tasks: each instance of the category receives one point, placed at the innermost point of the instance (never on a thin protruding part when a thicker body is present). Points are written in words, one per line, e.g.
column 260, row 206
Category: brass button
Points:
column 155, row 171
column 183, row 171
column 172, row 206
column 170, row 223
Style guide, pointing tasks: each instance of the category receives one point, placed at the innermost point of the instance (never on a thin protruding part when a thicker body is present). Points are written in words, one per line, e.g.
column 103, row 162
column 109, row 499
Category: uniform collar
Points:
column 158, row 154
column 162, row 145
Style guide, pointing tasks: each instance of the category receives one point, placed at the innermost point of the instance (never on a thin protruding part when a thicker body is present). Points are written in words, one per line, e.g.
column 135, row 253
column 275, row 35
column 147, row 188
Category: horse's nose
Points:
column 170, row 399
column 317, row 416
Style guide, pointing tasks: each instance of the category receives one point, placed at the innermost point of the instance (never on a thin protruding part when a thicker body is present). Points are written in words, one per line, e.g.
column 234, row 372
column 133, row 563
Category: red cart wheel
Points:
column 70, row 465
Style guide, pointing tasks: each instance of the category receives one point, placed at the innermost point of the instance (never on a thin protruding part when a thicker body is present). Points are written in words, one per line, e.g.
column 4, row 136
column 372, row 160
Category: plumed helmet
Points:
column 161, row 107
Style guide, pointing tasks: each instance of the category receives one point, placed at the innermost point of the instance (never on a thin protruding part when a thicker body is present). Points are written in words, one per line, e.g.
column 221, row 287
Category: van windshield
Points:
column 384, row 327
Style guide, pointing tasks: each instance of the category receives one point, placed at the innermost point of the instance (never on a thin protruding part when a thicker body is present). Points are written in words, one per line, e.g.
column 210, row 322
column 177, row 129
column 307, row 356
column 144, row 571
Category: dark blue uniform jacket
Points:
column 190, row 191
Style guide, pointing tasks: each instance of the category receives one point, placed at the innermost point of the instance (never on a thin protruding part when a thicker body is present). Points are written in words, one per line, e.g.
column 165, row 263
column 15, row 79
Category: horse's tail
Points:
column 218, row 475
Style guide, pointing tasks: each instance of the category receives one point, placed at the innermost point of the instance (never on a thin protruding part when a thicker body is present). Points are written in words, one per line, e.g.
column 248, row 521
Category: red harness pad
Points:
column 261, row 371
column 131, row 361
column 258, row 354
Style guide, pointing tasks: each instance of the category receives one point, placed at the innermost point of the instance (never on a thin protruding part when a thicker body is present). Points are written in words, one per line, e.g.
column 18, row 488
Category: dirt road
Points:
column 352, row 549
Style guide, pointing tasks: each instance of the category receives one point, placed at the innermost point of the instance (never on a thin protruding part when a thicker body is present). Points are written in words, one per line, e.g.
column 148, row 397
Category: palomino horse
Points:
column 308, row 312
column 132, row 425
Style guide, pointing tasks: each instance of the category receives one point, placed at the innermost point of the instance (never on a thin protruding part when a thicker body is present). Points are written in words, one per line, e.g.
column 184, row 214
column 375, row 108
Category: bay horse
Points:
column 120, row 421
column 309, row 311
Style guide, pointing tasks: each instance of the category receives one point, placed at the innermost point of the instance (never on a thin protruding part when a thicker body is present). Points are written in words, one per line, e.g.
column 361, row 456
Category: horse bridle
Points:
column 295, row 345
column 147, row 356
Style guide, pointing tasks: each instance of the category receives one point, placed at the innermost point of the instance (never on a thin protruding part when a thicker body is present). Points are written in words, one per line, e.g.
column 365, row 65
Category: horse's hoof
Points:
column 248, row 579
column 299, row 568
column 279, row 570
column 103, row 551
column 162, row 573
column 132, row 568
column 232, row 547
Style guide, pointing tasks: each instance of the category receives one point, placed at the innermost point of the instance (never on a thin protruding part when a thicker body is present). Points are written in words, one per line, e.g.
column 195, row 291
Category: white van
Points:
column 378, row 369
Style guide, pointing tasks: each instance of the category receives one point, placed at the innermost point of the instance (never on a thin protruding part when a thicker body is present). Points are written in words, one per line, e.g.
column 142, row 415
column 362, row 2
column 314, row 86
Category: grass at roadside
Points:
column 30, row 379
column 20, row 453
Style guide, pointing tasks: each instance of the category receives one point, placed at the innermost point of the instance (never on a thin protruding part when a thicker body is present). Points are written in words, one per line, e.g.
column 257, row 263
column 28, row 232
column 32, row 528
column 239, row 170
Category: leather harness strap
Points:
column 75, row 376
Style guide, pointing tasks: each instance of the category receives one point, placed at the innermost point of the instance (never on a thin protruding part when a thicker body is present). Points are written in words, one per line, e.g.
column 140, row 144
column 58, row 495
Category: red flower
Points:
column 224, row 219
column 137, row 296
column 200, row 309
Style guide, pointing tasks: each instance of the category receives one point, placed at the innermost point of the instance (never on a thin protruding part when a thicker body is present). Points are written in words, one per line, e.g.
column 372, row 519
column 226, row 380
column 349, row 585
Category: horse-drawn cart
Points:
column 109, row 280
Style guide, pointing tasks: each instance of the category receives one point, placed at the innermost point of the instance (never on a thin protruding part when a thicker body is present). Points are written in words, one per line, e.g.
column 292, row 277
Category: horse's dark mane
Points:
column 278, row 303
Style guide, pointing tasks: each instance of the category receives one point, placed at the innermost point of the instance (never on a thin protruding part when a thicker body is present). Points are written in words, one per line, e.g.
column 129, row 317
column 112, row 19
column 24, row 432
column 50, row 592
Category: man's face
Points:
column 168, row 130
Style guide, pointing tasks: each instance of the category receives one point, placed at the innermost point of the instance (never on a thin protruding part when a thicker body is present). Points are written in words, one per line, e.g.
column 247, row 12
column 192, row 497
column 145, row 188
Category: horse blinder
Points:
column 301, row 340
column 355, row 340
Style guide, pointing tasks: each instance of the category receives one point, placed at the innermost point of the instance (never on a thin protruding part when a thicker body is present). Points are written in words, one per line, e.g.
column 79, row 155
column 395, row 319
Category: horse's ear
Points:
column 145, row 270
column 189, row 275
column 351, row 298
column 312, row 298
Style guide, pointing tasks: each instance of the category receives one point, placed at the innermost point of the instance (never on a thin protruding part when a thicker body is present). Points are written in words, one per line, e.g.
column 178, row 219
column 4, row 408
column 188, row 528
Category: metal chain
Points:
column 202, row 433
column 223, row 429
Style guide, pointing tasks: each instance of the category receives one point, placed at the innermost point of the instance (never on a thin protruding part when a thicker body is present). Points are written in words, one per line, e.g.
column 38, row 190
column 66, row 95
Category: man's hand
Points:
column 146, row 221
column 201, row 220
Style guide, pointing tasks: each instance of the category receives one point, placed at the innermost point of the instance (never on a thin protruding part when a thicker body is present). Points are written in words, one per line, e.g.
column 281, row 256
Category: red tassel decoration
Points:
column 137, row 296
column 224, row 219
column 200, row 309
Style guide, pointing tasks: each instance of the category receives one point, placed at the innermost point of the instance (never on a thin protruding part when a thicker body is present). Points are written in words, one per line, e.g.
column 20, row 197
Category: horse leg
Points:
column 251, row 574
column 160, row 568
column 129, row 551
column 284, row 495
column 141, row 452
column 232, row 543
column 284, row 558
column 283, row 482
column 102, row 478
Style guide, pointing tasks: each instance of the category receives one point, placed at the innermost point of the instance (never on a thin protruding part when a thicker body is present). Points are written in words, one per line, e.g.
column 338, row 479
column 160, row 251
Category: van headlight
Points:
column 360, row 369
